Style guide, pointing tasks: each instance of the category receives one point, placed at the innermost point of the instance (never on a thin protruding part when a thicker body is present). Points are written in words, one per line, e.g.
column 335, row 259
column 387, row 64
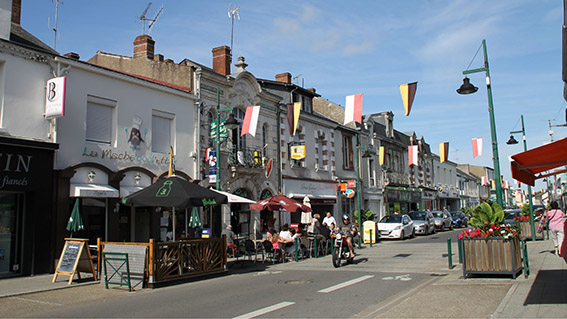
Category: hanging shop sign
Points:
column 55, row 98
column 297, row 152
column 349, row 193
column 351, row 183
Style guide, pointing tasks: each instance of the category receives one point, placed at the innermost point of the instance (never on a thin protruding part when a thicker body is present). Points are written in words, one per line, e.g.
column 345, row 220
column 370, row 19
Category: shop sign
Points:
column 55, row 98
column 342, row 187
column 14, row 166
column 351, row 183
column 297, row 152
column 126, row 156
column 349, row 193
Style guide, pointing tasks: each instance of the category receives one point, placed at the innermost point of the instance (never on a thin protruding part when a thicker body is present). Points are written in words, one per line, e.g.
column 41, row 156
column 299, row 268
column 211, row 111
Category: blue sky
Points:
column 371, row 47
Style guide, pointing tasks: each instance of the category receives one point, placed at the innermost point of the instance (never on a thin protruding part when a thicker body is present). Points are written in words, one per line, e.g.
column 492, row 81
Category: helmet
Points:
column 345, row 217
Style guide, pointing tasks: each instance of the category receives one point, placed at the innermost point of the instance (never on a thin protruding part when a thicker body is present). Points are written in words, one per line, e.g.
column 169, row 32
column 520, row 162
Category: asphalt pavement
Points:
column 440, row 293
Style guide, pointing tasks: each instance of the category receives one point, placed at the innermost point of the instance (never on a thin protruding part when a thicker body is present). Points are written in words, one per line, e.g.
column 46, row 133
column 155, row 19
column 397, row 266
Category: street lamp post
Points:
column 468, row 88
column 230, row 124
column 512, row 140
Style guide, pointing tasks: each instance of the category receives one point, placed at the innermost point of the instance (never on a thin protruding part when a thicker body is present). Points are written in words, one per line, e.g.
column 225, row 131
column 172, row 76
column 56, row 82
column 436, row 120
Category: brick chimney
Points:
column 284, row 77
column 222, row 59
column 72, row 55
column 144, row 47
column 16, row 11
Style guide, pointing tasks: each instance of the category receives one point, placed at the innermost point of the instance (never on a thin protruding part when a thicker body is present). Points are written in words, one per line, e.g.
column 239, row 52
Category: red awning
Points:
column 526, row 165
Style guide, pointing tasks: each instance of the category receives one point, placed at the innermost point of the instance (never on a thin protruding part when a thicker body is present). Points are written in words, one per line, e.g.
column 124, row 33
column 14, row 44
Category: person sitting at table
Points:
column 286, row 240
column 231, row 247
column 325, row 231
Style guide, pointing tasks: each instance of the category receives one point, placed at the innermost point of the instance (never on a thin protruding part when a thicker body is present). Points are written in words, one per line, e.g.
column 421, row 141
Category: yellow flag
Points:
column 296, row 110
column 408, row 94
column 381, row 155
column 171, row 165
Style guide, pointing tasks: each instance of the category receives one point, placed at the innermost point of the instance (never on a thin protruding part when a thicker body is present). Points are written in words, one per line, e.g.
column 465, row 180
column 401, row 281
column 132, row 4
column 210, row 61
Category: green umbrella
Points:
column 75, row 221
column 195, row 220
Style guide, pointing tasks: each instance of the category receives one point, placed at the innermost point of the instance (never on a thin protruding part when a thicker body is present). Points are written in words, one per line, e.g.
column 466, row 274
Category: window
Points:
column 238, row 141
column 161, row 132
column 371, row 173
column 264, row 140
column 347, row 152
column 100, row 120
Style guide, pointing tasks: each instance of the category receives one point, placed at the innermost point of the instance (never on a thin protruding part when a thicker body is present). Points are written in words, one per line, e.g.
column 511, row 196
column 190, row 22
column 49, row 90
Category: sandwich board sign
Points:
column 75, row 258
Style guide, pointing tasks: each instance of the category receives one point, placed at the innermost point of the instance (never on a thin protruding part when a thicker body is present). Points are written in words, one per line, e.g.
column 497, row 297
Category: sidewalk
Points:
column 449, row 295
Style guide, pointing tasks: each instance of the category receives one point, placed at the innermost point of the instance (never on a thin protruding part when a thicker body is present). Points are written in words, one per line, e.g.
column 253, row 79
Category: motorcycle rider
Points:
column 350, row 231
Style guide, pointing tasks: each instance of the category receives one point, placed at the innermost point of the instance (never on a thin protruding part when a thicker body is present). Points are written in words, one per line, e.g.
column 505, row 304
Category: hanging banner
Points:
column 408, row 94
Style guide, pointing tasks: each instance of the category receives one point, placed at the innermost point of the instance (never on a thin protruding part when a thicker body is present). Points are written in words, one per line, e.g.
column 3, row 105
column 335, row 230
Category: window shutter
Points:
column 161, row 134
column 99, row 123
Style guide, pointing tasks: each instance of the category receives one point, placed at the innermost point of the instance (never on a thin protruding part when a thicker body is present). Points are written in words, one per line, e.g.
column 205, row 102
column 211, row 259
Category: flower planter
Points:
column 491, row 255
column 526, row 230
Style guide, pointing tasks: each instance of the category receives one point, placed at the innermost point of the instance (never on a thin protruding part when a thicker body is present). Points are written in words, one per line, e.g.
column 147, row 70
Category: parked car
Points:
column 510, row 214
column 442, row 220
column 423, row 222
column 396, row 226
column 460, row 219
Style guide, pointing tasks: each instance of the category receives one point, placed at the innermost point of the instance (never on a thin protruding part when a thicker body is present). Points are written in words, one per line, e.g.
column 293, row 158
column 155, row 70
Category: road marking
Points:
column 39, row 301
column 346, row 283
column 262, row 311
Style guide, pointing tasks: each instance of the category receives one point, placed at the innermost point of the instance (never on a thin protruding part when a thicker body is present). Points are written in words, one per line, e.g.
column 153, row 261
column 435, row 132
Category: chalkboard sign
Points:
column 75, row 258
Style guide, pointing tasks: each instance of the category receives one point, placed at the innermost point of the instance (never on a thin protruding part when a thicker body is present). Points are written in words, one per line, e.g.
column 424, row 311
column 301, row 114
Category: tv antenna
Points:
column 143, row 18
column 231, row 14
column 55, row 26
column 296, row 79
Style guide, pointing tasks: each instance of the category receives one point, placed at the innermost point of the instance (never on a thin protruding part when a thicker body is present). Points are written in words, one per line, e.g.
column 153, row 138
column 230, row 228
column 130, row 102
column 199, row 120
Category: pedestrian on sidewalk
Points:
column 555, row 218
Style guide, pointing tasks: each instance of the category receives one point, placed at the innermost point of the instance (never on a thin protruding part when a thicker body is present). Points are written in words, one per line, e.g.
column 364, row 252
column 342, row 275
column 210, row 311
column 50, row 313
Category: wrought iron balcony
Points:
column 246, row 157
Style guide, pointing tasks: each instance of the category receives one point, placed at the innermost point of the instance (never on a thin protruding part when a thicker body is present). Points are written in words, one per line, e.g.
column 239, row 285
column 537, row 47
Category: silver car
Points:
column 443, row 220
column 423, row 222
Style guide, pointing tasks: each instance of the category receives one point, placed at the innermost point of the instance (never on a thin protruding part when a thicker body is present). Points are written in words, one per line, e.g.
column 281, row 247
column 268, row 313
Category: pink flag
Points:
column 353, row 108
column 477, row 146
column 484, row 180
column 412, row 155
column 250, row 120
column 505, row 184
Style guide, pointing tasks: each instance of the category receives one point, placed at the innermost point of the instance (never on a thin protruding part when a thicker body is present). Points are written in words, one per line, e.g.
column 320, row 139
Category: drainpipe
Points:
column 198, row 126
column 279, row 147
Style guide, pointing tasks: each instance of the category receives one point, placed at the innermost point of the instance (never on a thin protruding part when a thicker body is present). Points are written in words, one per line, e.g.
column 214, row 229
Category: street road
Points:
column 381, row 275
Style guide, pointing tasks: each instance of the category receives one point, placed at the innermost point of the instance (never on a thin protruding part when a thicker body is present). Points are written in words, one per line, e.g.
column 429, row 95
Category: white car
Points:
column 396, row 226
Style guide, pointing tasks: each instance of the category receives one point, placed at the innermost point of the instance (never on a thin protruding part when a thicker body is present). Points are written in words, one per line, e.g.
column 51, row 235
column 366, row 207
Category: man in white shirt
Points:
column 329, row 219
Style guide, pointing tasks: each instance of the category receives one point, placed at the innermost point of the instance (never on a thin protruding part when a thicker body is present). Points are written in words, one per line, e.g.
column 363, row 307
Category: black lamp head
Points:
column 231, row 123
column 467, row 87
column 512, row 140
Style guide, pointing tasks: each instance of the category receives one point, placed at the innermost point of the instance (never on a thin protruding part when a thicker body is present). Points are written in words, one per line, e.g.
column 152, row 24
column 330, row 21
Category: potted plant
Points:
column 525, row 223
column 490, row 247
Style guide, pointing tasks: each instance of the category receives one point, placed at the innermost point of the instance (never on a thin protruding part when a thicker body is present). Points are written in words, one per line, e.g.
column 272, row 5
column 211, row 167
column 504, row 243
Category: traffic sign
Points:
column 222, row 129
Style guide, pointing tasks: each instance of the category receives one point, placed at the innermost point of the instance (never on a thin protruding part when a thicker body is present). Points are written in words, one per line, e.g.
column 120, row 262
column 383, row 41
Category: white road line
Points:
column 262, row 311
column 346, row 283
column 38, row 301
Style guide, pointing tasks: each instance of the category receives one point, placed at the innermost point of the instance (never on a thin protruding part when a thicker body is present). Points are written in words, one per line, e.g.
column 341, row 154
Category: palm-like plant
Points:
column 485, row 215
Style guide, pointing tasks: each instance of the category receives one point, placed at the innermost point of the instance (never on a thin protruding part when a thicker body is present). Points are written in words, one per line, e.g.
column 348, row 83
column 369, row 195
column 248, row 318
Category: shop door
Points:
column 142, row 225
column 10, row 230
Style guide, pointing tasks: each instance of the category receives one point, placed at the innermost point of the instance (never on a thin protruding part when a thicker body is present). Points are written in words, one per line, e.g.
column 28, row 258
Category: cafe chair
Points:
column 269, row 252
column 250, row 249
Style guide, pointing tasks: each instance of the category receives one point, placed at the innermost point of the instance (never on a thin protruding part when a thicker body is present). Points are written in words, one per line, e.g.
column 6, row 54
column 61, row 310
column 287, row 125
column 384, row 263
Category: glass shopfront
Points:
column 10, row 233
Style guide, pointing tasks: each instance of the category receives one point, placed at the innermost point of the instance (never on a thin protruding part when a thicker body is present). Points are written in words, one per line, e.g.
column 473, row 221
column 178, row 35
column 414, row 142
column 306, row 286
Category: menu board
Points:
column 75, row 258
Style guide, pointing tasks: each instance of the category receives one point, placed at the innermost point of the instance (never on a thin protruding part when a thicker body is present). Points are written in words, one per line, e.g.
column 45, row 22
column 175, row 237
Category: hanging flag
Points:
column 505, row 185
column 353, row 108
column 250, row 120
column 477, row 146
column 493, row 184
column 518, row 182
column 444, row 151
column 381, row 155
column 293, row 110
column 408, row 94
column 412, row 155
column 484, row 180
column 171, row 170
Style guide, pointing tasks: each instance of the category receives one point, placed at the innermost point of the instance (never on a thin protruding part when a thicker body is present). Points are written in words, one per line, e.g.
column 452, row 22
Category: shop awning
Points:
column 235, row 198
column 527, row 166
column 127, row 190
column 93, row 190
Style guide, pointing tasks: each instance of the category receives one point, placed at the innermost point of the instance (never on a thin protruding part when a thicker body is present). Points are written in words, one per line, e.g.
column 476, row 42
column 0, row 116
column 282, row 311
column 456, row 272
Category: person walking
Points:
column 556, row 223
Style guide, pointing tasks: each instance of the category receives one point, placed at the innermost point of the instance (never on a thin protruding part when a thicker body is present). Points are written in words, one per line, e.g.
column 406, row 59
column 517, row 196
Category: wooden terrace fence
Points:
column 175, row 260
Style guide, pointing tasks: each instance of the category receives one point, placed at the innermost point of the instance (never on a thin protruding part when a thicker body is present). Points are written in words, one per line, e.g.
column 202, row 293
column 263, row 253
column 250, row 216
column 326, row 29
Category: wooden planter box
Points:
column 493, row 255
column 526, row 230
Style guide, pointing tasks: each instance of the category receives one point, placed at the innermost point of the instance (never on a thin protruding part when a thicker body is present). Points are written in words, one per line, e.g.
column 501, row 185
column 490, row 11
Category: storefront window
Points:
column 10, row 227
column 93, row 213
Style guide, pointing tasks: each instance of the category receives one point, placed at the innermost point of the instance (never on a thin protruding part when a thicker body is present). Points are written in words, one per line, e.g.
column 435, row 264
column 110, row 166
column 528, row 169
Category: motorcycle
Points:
column 340, row 249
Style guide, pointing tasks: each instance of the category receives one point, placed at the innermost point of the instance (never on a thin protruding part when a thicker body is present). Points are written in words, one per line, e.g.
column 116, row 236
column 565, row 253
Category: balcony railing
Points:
column 246, row 157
